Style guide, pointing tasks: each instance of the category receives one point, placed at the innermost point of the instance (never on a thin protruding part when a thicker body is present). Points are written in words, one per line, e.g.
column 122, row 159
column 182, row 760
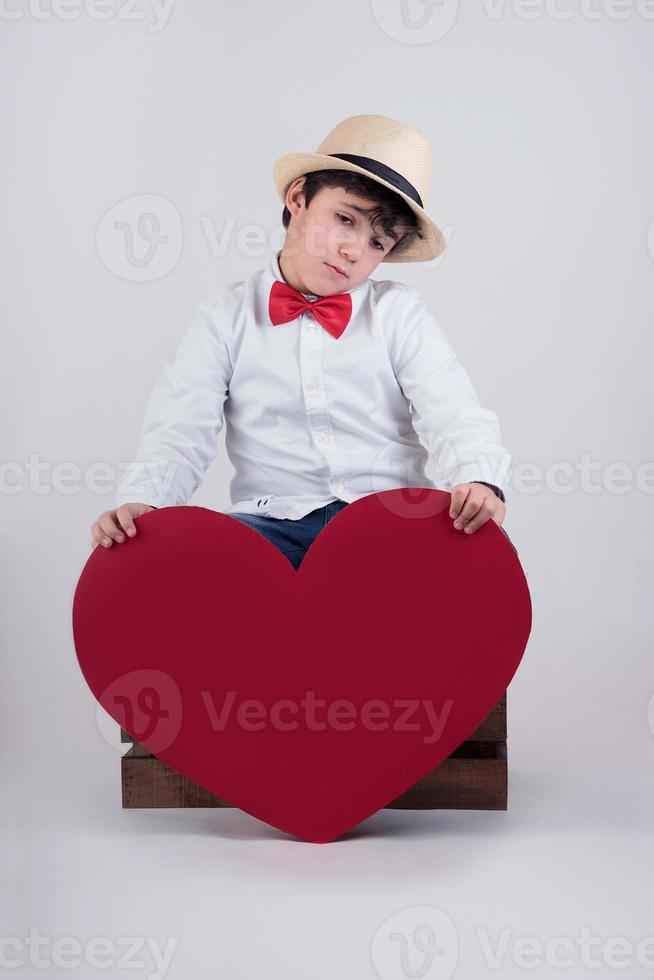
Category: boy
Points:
column 332, row 385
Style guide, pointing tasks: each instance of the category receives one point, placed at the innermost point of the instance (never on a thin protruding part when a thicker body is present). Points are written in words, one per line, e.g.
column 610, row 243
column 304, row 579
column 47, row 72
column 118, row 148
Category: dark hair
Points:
column 391, row 210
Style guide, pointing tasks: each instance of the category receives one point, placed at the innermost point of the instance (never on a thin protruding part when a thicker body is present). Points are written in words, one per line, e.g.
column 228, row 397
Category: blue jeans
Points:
column 294, row 538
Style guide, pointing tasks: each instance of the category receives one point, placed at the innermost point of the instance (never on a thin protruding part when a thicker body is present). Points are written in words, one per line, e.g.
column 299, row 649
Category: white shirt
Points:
column 310, row 418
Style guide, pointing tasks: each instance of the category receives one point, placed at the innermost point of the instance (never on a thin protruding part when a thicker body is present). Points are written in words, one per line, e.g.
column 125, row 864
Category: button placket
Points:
column 315, row 400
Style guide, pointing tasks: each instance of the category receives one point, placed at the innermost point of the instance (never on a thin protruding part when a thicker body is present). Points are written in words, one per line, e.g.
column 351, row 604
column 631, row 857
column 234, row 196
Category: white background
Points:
column 543, row 145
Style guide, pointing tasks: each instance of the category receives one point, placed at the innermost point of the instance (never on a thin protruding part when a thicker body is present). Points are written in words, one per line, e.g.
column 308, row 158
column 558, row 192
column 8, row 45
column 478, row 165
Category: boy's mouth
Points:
column 336, row 270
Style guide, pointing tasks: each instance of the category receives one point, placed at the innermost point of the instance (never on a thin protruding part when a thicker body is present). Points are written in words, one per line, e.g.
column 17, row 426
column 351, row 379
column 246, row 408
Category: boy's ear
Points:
column 295, row 192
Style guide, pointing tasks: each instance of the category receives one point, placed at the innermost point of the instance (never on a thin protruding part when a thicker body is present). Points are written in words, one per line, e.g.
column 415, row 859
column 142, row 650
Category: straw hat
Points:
column 385, row 150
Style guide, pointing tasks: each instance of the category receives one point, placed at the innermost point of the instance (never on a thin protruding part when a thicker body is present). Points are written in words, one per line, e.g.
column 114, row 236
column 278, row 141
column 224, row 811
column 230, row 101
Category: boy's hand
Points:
column 473, row 504
column 110, row 525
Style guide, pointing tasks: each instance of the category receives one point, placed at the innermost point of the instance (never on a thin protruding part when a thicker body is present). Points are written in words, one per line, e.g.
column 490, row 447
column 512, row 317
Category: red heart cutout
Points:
column 407, row 630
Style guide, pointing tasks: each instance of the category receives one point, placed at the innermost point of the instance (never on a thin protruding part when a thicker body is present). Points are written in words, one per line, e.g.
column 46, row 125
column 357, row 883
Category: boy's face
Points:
column 333, row 231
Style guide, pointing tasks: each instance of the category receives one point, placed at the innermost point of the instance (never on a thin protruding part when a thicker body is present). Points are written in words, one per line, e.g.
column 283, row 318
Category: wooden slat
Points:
column 493, row 727
column 148, row 782
column 460, row 782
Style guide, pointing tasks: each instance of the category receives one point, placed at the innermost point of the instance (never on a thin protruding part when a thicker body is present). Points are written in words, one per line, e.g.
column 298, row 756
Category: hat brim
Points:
column 430, row 245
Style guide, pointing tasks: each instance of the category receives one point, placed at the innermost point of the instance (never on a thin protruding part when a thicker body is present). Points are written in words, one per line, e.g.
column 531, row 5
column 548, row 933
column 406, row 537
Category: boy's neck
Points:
column 289, row 276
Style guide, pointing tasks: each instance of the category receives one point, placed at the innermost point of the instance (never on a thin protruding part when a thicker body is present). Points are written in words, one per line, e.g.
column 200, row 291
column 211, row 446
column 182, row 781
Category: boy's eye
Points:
column 376, row 243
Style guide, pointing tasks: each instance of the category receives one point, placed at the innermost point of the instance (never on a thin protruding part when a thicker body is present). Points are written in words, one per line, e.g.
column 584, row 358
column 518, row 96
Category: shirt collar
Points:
column 273, row 272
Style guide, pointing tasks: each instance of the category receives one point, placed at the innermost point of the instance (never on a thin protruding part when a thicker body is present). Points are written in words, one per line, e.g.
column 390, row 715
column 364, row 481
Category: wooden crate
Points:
column 473, row 777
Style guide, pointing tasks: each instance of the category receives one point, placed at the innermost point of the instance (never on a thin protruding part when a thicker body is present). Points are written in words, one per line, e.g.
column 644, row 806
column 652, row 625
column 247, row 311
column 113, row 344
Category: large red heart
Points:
column 364, row 669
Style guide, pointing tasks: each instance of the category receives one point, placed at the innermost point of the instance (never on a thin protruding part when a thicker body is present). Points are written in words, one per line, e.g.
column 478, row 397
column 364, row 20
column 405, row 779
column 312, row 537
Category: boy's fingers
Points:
column 99, row 537
column 124, row 518
column 111, row 530
column 480, row 518
column 470, row 508
column 112, row 526
column 459, row 495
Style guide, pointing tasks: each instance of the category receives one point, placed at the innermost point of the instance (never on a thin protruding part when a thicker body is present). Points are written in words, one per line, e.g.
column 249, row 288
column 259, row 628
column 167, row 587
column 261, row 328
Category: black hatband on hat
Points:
column 381, row 170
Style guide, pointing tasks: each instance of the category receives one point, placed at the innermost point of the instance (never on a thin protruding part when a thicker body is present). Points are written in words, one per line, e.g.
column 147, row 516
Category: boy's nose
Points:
column 349, row 252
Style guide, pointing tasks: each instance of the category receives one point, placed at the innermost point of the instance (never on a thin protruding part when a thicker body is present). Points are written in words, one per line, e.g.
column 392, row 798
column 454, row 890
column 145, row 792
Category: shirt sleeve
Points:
column 183, row 416
column 460, row 434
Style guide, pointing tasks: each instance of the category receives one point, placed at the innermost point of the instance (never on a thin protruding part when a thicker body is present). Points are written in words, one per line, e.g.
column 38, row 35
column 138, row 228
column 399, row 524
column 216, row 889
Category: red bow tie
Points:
column 286, row 303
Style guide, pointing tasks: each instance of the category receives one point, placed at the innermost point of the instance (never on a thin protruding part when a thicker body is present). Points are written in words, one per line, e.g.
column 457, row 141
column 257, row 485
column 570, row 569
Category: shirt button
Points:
column 339, row 488
column 290, row 513
column 323, row 438
column 313, row 384
column 312, row 327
